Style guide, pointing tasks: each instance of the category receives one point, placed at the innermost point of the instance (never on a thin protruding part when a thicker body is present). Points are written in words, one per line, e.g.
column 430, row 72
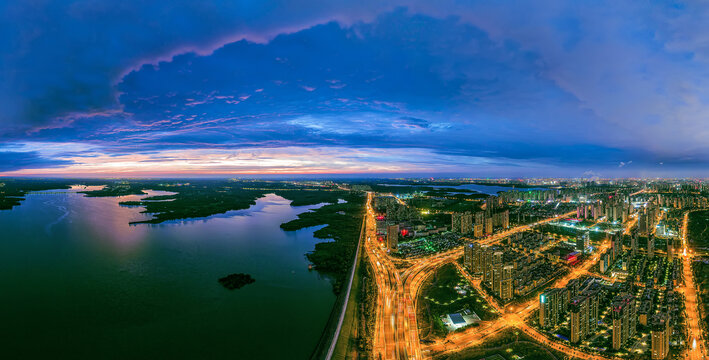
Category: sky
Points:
column 423, row 88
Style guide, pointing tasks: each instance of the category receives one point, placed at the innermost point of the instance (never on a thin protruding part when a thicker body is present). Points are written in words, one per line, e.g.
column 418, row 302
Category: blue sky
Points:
column 484, row 89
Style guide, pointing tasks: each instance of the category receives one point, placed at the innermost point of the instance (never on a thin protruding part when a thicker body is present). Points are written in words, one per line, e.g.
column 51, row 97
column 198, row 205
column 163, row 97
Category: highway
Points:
column 400, row 281
column 397, row 333
column 631, row 224
column 391, row 340
column 396, row 328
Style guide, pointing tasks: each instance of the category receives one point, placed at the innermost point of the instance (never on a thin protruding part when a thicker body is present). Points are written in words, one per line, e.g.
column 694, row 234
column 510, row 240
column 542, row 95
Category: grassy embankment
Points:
column 355, row 341
column 343, row 223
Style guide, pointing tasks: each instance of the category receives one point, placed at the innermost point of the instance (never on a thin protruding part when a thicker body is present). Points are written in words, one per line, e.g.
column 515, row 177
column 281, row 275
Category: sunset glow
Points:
column 474, row 89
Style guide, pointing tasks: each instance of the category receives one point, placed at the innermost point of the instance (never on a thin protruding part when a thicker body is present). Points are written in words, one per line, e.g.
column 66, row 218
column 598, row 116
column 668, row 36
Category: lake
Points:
column 79, row 282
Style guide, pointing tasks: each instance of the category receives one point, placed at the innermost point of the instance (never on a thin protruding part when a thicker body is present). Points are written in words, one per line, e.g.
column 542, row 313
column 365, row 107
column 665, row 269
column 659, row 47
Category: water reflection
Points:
column 82, row 277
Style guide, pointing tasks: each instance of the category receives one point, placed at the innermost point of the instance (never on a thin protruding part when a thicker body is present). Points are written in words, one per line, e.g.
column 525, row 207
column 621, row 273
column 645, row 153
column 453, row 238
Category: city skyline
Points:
column 514, row 89
column 369, row 268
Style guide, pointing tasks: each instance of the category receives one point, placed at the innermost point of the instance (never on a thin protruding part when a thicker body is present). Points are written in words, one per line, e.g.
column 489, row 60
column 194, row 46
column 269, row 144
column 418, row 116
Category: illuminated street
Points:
column 399, row 286
column 396, row 328
column 697, row 348
column 354, row 180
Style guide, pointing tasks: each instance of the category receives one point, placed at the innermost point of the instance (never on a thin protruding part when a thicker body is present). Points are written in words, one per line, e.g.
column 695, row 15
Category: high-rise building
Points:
column 507, row 291
column 478, row 253
column 670, row 249
column 614, row 213
column 582, row 242
column 578, row 307
column 617, row 245
column 550, row 307
column 462, row 223
column 547, row 311
column 491, row 203
column 593, row 314
column 618, row 330
column 475, row 261
column 488, row 226
column 650, row 246
column 466, row 223
column 381, row 225
column 661, row 332
column 645, row 310
column 643, row 223
column 486, row 264
column 455, row 222
column 480, row 218
column 572, row 288
column 478, row 230
column 497, row 272
column 624, row 319
column 605, row 262
column 563, row 306
column 468, row 252
column 393, row 237
column 634, row 242
column 505, row 219
column 497, row 257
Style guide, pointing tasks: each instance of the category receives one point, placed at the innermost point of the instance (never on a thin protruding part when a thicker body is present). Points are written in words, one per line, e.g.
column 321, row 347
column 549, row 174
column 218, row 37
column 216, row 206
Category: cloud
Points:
column 282, row 160
column 575, row 86
column 51, row 66
column 13, row 160
column 411, row 123
column 591, row 174
column 188, row 100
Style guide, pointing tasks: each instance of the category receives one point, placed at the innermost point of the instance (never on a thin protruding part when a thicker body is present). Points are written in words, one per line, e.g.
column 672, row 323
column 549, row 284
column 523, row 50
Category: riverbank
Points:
column 13, row 191
column 156, row 287
column 342, row 224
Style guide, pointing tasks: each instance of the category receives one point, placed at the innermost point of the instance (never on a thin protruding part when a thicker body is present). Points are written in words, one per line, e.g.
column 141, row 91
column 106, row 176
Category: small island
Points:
column 236, row 281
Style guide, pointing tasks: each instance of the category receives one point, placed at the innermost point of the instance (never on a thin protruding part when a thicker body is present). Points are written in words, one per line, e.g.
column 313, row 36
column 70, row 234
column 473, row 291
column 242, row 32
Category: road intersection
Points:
column 400, row 281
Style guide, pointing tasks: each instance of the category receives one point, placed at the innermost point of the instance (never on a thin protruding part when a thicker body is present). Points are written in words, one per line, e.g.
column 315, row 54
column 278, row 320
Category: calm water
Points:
column 76, row 281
